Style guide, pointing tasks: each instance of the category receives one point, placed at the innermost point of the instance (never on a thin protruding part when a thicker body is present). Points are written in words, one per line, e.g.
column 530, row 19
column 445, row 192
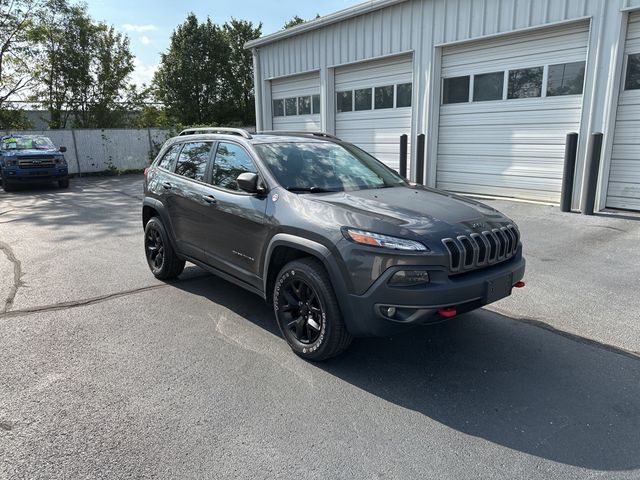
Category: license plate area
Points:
column 499, row 288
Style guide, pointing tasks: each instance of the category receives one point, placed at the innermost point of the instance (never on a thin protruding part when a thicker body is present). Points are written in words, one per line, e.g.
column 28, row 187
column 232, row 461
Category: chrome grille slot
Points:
column 469, row 252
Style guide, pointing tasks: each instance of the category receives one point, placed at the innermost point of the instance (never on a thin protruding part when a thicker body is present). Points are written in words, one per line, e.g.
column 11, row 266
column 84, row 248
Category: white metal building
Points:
column 495, row 85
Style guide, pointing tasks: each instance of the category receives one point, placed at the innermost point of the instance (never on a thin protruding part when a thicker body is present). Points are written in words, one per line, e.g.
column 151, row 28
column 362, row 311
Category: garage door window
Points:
column 344, row 101
column 403, row 95
column 315, row 100
column 488, row 86
column 278, row 108
column 565, row 79
column 362, row 99
column 384, row 97
column 304, row 105
column 455, row 90
column 290, row 106
column 525, row 83
column 632, row 80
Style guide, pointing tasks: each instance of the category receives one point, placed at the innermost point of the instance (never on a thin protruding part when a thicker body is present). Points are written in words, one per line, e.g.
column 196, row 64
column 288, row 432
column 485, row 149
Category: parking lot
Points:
column 106, row 372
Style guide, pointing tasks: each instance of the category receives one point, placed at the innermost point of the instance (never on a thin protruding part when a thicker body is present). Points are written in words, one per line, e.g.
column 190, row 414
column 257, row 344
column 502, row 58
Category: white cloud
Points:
column 145, row 40
column 130, row 27
column 142, row 73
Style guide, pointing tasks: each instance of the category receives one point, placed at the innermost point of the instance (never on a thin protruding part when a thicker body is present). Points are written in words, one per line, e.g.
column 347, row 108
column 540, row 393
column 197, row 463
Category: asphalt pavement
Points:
column 106, row 372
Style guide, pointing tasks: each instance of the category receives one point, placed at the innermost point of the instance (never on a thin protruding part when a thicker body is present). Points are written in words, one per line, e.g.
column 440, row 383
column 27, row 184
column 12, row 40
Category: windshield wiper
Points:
column 310, row 189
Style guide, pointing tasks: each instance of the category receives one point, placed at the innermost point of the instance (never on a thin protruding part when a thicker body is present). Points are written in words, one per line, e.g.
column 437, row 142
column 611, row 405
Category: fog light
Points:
column 391, row 311
column 408, row 278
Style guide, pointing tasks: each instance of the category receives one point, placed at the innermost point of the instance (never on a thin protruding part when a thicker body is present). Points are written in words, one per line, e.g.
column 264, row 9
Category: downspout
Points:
column 257, row 88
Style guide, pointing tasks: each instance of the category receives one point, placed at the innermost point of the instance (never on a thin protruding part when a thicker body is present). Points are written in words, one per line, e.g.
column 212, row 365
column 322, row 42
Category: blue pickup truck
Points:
column 28, row 158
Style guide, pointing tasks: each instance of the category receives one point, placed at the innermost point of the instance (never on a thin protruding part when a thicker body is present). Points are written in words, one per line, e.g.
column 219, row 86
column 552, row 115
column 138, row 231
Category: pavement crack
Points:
column 17, row 276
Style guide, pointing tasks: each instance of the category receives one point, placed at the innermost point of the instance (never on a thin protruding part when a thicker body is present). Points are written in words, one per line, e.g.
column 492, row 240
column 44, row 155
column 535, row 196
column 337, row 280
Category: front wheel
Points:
column 307, row 311
column 6, row 186
column 162, row 259
column 64, row 183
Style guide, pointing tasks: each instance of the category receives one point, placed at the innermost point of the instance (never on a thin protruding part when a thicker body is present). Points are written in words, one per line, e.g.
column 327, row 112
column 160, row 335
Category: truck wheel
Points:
column 162, row 259
column 307, row 311
column 6, row 186
column 64, row 183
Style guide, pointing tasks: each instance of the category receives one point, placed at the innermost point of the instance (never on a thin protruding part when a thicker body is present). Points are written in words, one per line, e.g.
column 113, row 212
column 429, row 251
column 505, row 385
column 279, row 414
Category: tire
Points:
column 161, row 258
column 64, row 183
column 307, row 311
column 6, row 186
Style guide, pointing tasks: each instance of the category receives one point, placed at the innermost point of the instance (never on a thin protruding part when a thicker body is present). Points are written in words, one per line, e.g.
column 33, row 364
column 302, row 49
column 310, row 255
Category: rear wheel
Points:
column 307, row 311
column 64, row 183
column 162, row 259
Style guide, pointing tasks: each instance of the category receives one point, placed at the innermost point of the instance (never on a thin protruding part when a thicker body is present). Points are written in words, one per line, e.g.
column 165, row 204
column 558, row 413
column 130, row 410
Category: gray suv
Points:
column 338, row 243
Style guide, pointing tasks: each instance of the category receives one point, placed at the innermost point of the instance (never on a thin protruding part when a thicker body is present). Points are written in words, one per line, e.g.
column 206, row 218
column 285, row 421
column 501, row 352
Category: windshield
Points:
column 33, row 142
column 321, row 167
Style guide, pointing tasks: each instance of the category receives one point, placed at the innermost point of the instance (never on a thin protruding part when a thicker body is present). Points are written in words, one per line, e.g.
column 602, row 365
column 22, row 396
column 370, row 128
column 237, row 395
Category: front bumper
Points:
column 419, row 305
column 35, row 174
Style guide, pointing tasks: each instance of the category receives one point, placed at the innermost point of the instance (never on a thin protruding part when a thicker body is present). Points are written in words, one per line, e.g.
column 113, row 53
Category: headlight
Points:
column 12, row 163
column 61, row 161
column 385, row 241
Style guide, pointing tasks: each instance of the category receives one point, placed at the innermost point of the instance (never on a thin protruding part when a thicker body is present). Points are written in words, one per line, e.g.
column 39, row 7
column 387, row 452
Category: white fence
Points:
column 99, row 150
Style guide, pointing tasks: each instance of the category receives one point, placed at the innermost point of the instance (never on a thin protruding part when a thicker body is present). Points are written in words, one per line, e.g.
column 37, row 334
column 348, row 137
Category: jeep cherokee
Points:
column 340, row 244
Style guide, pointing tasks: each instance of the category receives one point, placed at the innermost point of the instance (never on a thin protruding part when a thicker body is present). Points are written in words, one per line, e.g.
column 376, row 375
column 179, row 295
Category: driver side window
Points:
column 230, row 161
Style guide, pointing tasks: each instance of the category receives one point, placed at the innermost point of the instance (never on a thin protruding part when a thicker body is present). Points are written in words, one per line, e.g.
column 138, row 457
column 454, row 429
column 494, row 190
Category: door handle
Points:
column 167, row 186
column 210, row 199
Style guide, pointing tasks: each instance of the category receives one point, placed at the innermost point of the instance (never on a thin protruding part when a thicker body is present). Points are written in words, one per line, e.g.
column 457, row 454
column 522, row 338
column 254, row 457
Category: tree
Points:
column 239, row 92
column 85, row 67
column 193, row 73
column 17, row 51
column 296, row 20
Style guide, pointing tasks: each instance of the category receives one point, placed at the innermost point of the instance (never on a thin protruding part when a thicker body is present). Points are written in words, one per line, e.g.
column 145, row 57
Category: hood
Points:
column 409, row 211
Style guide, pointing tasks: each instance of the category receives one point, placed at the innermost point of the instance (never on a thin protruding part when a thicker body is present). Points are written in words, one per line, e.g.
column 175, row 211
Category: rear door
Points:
column 188, row 198
column 236, row 226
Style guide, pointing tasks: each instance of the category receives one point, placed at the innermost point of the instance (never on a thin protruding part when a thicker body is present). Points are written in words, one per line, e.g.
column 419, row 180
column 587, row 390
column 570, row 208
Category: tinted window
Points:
column 525, row 83
column 565, row 79
column 326, row 166
column 384, row 97
column 169, row 159
column 632, row 80
column 192, row 162
column 278, row 108
column 290, row 106
column 304, row 105
column 315, row 100
column 403, row 95
column 231, row 160
column 363, row 99
column 344, row 101
column 455, row 90
column 488, row 86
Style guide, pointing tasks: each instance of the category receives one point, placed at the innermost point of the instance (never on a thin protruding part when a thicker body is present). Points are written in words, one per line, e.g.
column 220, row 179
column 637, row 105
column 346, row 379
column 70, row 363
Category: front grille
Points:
column 468, row 252
column 36, row 162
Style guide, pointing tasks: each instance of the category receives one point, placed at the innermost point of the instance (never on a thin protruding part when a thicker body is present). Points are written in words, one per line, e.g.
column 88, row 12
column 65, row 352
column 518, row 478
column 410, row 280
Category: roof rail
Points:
column 289, row 132
column 233, row 131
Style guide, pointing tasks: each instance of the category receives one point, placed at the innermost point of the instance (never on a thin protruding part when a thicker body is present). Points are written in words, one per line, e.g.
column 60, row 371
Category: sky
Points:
column 149, row 23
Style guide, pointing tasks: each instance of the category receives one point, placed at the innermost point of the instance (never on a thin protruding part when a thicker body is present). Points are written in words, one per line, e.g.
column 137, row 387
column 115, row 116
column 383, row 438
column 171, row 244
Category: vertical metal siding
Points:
column 624, row 173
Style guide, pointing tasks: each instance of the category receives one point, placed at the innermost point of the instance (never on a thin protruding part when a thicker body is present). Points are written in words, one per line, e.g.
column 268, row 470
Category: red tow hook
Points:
column 519, row 284
column 447, row 312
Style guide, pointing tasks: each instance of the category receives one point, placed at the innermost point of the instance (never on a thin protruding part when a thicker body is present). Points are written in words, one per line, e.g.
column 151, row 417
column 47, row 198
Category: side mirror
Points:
column 63, row 149
column 249, row 182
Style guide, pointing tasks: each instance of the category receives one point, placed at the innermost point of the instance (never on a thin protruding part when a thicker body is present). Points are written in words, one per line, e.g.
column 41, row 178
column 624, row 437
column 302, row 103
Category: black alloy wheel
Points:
column 300, row 310
column 154, row 248
column 162, row 259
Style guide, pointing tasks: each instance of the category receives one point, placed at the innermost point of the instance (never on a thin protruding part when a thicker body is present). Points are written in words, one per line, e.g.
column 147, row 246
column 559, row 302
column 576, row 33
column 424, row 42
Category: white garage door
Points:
column 296, row 103
column 624, row 175
column 373, row 106
column 507, row 105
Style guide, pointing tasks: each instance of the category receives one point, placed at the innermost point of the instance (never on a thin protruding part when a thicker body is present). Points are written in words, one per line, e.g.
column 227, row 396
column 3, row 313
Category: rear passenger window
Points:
column 168, row 161
column 192, row 162
column 231, row 160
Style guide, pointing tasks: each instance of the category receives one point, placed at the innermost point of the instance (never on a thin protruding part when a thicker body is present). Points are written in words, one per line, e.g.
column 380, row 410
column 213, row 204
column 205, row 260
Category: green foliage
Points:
column 206, row 76
column 17, row 50
column 296, row 20
column 13, row 119
column 85, row 68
